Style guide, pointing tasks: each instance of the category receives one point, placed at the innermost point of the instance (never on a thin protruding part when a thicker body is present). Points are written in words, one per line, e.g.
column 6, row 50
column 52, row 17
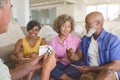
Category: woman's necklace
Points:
column 32, row 41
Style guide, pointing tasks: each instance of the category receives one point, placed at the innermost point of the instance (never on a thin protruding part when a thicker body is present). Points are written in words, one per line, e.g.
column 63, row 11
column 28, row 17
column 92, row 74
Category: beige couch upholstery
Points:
column 7, row 42
column 15, row 32
column 5, row 53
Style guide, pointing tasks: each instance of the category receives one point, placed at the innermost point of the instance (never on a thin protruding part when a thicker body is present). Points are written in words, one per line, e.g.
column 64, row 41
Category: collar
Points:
column 102, row 34
column 68, row 39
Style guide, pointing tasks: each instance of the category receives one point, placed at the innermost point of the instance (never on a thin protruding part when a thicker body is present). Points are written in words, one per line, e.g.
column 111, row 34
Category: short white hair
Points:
column 3, row 3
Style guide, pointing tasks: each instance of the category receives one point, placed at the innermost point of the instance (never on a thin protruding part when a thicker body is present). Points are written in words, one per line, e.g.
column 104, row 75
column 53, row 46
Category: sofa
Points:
column 15, row 32
column 7, row 42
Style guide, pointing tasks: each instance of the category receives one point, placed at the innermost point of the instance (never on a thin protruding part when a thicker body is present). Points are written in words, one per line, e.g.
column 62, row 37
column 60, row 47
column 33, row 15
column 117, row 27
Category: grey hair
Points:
column 3, row 3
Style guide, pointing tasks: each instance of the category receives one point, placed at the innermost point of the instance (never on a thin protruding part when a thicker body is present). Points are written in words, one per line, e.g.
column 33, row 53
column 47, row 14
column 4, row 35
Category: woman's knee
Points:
column 20, row 55
column 33, row 55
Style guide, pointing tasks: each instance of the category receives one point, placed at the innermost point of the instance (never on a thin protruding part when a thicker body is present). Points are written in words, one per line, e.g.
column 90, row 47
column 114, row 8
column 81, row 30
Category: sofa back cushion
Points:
column 13, row 34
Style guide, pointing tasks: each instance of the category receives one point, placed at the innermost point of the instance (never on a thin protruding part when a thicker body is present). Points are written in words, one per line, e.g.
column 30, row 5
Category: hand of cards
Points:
column 73, row 65
column 45, row 49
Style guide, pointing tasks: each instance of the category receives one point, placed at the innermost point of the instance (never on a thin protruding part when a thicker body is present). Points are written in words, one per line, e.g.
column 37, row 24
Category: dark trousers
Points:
column 71, row 71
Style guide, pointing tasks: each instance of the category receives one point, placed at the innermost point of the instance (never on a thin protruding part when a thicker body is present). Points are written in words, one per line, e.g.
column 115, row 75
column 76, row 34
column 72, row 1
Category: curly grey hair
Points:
column 3, row 3
column 60, row 20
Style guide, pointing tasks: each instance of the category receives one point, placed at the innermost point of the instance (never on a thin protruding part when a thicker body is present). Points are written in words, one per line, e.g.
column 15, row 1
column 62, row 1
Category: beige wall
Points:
column 110, row 26
column 21, row 11
column 78, row 12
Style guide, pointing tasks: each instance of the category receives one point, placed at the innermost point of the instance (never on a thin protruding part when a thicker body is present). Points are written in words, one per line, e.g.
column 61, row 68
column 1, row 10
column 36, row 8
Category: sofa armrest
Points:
column 5, row 53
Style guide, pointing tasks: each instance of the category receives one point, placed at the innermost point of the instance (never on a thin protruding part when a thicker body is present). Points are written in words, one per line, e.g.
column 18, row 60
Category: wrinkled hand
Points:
column 34, row 55
column 24, row 60
column 66, row 59
column 70, row 53
column 83, row 69
column 36, row 63
column 49, row 61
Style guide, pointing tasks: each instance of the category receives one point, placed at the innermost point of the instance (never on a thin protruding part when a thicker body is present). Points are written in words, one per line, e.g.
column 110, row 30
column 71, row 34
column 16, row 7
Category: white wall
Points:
column 65, row 9
column 80, row 12
column 21, row 11
column 110, row 26
column 77, row 11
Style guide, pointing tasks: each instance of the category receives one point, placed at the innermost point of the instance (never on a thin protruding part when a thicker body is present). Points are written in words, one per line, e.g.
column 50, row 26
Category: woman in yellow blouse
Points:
column 28, row 47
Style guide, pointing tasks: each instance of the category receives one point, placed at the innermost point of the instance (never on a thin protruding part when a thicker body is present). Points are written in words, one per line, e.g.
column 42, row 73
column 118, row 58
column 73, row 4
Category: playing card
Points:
column 45, row 49
column 73, row 65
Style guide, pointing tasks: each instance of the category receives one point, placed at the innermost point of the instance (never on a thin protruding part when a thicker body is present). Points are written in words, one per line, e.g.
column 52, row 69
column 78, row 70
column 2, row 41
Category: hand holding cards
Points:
column 45, row 49
column 82, row 69
column 24, row 60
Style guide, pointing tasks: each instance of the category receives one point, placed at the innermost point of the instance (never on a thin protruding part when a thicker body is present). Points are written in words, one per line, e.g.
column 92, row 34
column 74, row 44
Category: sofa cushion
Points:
column 7, row 42
column 13, row 34
column 5, row 53
column 47, row 32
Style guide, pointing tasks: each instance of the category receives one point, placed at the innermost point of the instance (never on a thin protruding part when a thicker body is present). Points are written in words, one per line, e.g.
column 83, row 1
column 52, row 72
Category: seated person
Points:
column 99, row 49
column 28, row 47
column 48, row 61
column 65, row 41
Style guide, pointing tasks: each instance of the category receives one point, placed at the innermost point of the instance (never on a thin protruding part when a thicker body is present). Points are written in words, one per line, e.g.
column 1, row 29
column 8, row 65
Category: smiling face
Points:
column 5, row 15
column 33, row 28
column 33, row 33
column 94, row 23
column 65, row 29
column 63, row 25
column 91, row 27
